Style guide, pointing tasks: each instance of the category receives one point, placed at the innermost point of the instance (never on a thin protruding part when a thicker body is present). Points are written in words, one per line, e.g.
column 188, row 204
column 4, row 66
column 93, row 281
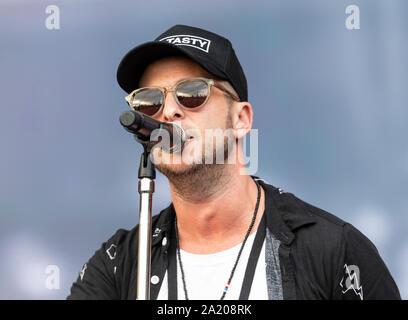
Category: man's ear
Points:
column 241, row 118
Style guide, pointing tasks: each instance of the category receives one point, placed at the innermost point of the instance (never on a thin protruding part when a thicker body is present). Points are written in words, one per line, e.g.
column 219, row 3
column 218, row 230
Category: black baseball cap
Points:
column 211, row 51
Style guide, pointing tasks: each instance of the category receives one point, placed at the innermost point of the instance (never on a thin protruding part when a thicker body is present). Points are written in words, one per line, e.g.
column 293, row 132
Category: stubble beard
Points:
column 200, row 181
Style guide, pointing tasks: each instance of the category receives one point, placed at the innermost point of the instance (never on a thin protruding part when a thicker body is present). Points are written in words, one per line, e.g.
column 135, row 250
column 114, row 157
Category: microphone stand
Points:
column 147, row 174
column 133, row 122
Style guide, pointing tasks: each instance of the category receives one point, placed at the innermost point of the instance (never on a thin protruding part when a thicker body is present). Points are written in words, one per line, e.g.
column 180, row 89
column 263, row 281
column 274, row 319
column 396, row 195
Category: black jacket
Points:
column 319, row 256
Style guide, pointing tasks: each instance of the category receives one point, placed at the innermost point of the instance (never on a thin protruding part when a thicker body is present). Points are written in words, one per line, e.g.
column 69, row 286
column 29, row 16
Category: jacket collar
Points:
column 285, row 214
column 162, row 224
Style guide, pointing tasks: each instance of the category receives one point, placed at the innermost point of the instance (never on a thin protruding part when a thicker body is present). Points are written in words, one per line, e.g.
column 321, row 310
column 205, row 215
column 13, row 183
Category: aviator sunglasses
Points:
column 188, row 93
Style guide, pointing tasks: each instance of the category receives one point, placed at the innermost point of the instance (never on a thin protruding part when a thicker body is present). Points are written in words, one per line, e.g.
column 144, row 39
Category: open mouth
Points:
column 188, row 138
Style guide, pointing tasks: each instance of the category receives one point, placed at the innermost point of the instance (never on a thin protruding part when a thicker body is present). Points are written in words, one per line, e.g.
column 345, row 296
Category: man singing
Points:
column 226, row 234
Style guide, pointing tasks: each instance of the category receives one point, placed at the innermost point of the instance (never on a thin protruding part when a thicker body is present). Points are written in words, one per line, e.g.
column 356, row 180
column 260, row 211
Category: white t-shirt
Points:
column 206, row 275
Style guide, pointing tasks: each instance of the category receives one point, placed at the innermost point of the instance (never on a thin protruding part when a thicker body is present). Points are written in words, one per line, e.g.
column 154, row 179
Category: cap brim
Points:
column 136, row 60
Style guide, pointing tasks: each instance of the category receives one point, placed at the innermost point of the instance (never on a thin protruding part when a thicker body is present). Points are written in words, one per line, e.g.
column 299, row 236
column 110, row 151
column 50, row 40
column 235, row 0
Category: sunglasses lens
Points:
column 148, row 101
column 192, row 94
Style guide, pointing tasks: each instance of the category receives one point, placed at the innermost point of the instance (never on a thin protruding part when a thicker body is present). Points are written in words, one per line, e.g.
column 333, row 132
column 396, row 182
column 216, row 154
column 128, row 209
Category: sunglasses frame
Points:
column 164, row 90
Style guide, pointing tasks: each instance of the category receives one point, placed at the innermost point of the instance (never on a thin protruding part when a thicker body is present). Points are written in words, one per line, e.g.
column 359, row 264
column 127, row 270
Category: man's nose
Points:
column 171, row 109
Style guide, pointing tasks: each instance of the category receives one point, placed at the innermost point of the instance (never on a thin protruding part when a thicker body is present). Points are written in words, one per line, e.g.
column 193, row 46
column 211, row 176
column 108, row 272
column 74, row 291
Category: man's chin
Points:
column 178, row 170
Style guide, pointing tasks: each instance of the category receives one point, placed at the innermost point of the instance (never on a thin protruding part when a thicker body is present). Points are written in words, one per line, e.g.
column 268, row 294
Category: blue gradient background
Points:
column 330, row 105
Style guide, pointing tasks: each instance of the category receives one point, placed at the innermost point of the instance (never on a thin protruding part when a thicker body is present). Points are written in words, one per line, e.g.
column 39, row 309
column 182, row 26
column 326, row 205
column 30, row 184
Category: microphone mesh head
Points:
column 178, row 138
column 129, row 118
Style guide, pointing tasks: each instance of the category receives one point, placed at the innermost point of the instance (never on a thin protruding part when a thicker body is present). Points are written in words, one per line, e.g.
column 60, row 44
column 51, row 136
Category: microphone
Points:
column 149, row 129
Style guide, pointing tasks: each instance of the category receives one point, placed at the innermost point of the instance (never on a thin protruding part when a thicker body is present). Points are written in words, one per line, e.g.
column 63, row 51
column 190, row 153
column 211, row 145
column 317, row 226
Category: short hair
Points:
column 227, row 85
